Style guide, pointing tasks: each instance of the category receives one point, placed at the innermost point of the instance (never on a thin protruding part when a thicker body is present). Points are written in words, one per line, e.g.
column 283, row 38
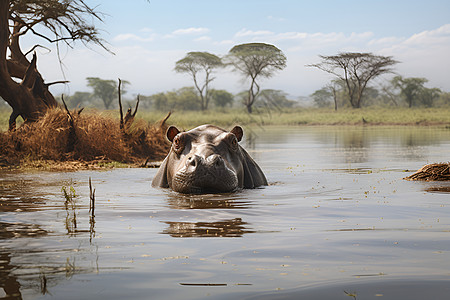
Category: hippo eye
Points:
column 233, row 142
column 177, row 144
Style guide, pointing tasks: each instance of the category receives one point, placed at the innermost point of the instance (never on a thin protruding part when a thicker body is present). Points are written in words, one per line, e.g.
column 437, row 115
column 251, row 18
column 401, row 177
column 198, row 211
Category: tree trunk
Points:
column 29, row 98
column 334, row 98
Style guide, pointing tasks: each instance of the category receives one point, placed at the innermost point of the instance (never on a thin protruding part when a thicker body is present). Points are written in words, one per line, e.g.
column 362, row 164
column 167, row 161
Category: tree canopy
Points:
column 410, row 88
column 106, row 90
column 195, row 63
column 356, row 70
column 255, row 60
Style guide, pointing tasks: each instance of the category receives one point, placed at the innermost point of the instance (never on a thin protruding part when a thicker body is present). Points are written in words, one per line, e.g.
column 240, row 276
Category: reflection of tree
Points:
column 17, row 194
column 8, row 281
column 355, row 145
column 225, row 228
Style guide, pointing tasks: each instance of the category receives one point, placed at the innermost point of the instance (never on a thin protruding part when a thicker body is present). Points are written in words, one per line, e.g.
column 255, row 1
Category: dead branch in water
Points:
column 91, row 210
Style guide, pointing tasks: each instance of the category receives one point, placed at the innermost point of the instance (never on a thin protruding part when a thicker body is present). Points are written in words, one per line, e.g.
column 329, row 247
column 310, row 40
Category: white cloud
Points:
column 191, row 30
column 245, row 33
column 203, row 38
column 430, row 37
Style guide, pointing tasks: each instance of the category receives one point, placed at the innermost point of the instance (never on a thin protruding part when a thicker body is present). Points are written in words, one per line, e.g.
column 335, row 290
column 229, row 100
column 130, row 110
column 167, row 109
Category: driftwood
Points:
column 432, row 172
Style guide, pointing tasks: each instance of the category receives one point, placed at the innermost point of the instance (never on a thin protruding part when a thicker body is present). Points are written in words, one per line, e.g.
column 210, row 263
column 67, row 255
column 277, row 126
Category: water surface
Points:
column 337, row 221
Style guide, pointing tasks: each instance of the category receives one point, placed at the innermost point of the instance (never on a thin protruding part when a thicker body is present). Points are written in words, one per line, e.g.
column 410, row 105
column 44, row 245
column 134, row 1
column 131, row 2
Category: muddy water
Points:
column 336, row 222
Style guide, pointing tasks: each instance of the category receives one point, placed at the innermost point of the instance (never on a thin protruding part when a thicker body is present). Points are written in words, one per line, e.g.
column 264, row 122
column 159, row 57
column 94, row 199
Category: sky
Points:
column 148, row 37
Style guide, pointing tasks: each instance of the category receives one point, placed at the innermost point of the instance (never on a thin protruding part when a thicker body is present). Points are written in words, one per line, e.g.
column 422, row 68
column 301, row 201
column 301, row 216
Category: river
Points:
column 336, row 221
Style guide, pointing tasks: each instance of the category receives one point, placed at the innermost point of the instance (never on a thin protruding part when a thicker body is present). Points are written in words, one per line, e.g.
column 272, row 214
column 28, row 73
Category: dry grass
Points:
column 94, row 137
column 432, row 172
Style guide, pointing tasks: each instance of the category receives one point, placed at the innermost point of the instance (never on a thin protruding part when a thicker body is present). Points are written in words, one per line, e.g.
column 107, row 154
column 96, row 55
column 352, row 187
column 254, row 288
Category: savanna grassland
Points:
column 308, row 116
column 293, row 117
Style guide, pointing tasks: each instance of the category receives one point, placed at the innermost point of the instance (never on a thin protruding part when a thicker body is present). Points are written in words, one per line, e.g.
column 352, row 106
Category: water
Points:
column 337, row 221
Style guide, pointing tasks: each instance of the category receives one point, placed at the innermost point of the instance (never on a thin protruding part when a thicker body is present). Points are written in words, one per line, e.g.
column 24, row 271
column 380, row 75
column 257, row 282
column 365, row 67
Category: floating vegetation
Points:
column 432, row 172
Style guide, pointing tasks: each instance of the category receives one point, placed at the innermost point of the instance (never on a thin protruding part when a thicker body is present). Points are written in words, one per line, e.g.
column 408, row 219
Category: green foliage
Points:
column 256, row 59
column 185, row 98
column 274, row 100
column 410, row 88
column 428, row 96
column 221, row 98
column 78, row 99
column 322, row 97
column 106, row 90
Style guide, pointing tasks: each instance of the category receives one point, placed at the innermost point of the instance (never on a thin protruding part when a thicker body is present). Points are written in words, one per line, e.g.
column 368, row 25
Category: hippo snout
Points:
column 194, row 162
column 215, row 160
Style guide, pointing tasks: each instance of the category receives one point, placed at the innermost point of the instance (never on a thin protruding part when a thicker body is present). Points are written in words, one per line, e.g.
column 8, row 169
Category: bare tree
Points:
column 21, row 85
column 356, row 70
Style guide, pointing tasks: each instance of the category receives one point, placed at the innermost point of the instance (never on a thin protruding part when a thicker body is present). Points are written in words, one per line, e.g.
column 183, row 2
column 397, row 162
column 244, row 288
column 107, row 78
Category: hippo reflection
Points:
column 208, row 159
column 225, row 228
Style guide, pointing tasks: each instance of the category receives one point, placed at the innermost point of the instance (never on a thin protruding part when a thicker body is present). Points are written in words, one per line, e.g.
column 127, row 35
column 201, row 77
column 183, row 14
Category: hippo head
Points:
column 207, row 159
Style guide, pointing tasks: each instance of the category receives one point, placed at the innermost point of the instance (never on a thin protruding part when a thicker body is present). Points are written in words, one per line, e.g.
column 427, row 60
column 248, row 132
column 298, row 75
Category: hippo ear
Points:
column 238, row 132
column 253, row 176
column 172, row 132
column 160, row 179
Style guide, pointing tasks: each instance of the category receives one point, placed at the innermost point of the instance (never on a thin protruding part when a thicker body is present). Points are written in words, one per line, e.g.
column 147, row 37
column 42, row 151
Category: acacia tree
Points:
column 222, row 98
column 106, row 90
column 255, row 60
column 356, row 70
column 195, row 63
column 56, row 22
column 410, row 88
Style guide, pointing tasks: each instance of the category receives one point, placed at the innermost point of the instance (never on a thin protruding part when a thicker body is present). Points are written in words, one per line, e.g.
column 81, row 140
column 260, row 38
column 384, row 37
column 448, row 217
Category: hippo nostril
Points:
column 218, row 162
column 215, row 160
column 192, row 161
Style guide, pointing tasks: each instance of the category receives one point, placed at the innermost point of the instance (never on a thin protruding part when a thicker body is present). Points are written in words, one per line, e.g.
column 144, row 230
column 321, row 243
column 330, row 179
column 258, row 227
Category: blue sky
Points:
column 148, row 37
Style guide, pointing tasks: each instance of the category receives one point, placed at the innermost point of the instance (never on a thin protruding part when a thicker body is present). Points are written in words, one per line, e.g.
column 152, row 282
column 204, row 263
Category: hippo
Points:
column 207, row 159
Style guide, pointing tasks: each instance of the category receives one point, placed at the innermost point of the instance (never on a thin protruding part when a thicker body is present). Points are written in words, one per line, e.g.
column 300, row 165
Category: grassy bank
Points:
column 310, row 116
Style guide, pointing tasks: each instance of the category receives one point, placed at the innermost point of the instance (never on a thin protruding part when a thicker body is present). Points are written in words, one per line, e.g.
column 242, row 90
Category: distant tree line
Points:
column 399, row 91
column 104, row 96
